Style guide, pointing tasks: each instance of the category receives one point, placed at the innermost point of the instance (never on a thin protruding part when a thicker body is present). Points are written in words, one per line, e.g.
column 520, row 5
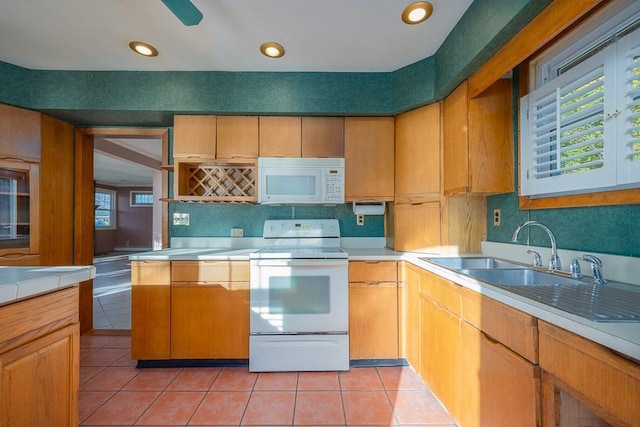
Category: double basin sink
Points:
column 610, row 302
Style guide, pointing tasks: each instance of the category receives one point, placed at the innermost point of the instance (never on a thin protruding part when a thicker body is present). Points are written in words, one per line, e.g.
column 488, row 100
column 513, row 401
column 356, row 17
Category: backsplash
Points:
column 611, row 229
column 216, row 220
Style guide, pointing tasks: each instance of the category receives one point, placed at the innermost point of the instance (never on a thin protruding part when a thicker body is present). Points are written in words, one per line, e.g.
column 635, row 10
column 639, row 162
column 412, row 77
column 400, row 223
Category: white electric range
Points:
column 299, row 302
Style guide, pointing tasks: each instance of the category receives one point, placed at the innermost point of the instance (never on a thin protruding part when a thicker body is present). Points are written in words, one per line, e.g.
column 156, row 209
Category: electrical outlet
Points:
column 180, row 218
column 497, row 218
column 237, row 232
column 360, row 219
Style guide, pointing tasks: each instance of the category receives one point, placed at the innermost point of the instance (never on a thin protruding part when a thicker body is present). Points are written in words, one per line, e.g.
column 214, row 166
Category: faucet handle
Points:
column 596, row 268
column 575, row 268
column 537, row 261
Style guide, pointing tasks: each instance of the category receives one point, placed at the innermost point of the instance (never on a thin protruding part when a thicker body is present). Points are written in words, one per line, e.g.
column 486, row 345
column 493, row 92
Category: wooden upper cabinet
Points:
column 369, row 154
column 478, row 140
column 417, row 159
column 322, row 137
column 19, row 134
column 280, row 137
column 237, row 137
column 194, row 136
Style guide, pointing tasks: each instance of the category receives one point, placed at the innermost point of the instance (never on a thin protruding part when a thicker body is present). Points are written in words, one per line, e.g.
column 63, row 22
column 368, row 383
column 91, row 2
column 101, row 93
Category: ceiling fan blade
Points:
column 185, row 11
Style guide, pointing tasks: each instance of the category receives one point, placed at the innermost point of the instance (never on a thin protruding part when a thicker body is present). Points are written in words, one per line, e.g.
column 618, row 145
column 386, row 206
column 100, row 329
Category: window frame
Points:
column 113, row 210
column 132, row 199
column 618, row 192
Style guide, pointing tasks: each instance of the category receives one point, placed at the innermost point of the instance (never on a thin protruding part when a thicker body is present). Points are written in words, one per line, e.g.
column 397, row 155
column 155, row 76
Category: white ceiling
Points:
column 325, row 35
column 318, row 35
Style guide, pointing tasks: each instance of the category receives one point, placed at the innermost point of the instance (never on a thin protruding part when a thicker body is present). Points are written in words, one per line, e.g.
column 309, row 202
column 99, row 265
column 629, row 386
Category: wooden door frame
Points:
column 83, row 230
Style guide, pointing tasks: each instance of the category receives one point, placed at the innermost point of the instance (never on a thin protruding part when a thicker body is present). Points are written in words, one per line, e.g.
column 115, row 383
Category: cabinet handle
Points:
column 17, row 159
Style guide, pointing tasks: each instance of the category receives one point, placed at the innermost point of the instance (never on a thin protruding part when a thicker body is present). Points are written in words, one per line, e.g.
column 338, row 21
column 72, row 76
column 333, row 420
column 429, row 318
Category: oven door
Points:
column 298, row 296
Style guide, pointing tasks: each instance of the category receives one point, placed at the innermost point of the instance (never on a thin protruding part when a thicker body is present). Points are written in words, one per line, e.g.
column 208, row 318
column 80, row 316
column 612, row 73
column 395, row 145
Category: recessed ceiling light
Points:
column 143, row 49
column 272, row 49
column 417, row 12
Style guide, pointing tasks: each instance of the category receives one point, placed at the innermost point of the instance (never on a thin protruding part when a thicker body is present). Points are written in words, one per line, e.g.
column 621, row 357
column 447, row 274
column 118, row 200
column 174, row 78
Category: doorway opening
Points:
column 119, row 212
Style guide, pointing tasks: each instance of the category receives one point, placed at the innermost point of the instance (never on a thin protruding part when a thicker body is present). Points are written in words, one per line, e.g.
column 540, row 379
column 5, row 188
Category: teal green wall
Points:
column 128, row 98
column 605, row 229
column 217, row 220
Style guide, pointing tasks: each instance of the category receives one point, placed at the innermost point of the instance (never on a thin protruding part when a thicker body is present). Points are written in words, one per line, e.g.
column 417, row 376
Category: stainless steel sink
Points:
column 611, row 302
column 519, row 277
column 473, row 263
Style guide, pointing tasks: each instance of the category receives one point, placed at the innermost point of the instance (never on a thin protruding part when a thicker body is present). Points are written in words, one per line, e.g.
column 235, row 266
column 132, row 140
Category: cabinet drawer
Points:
column 511, row 327
column 373, row 271
column 210, row 271
column 608, row 382
column 150, row 273
column 442, row 291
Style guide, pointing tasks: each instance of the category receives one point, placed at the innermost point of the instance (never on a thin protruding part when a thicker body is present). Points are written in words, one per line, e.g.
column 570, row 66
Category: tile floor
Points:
column 114, row 392
column 112, row 293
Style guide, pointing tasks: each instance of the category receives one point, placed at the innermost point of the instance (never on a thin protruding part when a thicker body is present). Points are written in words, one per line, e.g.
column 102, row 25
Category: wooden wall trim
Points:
column 603, row 198
column 554, row 19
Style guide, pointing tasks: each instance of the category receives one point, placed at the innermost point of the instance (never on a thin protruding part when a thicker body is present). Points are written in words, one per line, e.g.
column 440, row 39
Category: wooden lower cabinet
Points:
column 410, row 302
column 150, row 310
column 440, row 353
column 585, row 383
column 209, row 309
column 39, row 360
column 499, row 388
column 373, row 333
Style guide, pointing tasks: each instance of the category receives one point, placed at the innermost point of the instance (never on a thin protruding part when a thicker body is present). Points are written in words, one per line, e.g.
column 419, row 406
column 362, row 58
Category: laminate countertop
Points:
column 18, row 283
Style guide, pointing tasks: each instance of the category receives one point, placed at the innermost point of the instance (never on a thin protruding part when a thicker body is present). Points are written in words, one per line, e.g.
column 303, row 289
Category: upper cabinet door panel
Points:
column 478, row 140
column 369, row 154
column 237, row 137
column 322, row 137
column 280, row 136
column 19, row 134
column 194, row 136
column 455, row 141
column 417, row 169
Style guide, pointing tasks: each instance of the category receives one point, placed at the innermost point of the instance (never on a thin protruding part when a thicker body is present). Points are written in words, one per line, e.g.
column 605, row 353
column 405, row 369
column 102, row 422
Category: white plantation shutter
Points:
column 629, row 129
column 564, row 131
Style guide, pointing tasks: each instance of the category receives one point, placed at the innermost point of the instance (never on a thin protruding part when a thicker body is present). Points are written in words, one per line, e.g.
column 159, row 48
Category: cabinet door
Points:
column 373, row 289
column 606, row 383
column 19, row 134
column 210, row 321
column 477, row 140
column 39, row 381
column 150, row 309
column 194, row 136
column 417, row 168
column 410, row 336
column 440, row 353
column 499, row 388
column 280, row 136
column 323, row 137
column 237, row 137
column 417, row 227
column 455, row 141
column 373, row 320
column 491, row 140
column 369, row 158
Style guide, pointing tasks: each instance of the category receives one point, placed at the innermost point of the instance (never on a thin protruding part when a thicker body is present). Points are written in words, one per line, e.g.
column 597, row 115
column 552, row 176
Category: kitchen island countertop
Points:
column 24, row 282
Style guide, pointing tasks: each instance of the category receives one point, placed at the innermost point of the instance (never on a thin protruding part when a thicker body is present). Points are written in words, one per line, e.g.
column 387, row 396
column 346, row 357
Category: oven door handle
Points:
column 301, row 263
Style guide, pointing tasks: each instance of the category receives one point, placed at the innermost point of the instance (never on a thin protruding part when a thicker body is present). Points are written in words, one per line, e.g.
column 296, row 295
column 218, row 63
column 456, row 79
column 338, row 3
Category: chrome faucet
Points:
column 596, row 268
column 554, row 264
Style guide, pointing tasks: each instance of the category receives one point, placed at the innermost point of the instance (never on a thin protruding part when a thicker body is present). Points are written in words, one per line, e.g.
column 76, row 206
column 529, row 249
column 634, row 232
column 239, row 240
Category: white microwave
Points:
column 300, row 180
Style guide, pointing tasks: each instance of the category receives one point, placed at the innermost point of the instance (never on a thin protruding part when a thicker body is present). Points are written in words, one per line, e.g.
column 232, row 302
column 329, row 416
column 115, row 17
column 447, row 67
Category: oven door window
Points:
column 299, row 295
